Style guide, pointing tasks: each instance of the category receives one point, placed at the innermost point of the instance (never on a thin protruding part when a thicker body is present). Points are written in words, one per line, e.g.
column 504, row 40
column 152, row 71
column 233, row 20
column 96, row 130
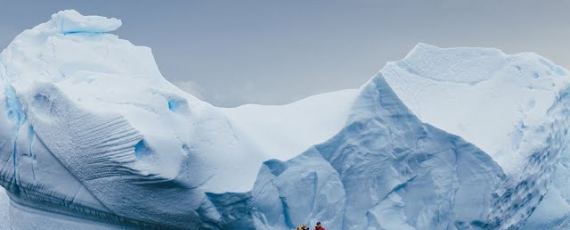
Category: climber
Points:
column 302, row 227
column 319, row 226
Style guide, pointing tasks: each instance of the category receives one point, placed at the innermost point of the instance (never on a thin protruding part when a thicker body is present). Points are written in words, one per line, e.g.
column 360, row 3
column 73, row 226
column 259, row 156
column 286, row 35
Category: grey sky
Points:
column 275, row 52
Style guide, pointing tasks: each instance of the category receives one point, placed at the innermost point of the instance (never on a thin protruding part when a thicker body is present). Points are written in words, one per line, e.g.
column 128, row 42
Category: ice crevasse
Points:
column 92, row 135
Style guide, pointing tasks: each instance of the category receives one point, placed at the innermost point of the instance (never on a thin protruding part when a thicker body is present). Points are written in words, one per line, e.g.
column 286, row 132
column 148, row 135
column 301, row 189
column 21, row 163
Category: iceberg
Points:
column 92, row 136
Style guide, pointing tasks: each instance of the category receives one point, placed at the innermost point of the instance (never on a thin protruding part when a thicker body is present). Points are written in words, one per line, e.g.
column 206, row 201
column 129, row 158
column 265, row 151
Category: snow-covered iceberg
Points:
column 92, row 135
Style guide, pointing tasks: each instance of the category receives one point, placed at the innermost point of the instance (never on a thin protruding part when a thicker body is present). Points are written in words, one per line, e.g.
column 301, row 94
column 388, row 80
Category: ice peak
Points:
column 421, row 47
column 71, row 21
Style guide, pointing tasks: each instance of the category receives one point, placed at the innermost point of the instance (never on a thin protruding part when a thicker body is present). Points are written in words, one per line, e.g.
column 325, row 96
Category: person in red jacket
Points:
column 319, row 226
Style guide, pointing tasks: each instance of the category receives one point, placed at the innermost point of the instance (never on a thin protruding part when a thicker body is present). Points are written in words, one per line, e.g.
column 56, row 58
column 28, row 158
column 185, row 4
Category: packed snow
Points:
column 93, row 137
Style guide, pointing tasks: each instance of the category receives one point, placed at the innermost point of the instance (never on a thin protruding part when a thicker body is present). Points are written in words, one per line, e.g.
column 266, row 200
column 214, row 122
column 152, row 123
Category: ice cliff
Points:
column 92, row 136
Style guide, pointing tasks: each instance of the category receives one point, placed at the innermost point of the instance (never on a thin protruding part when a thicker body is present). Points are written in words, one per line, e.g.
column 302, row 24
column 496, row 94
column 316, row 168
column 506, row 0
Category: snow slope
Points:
column 284, row 131
column 92, row 135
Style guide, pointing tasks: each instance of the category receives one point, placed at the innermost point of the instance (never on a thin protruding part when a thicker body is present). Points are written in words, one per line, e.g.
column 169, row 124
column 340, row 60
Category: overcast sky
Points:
column 275, row 52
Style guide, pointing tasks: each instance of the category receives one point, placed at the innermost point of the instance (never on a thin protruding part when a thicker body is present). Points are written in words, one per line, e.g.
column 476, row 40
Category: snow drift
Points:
column 92, row 135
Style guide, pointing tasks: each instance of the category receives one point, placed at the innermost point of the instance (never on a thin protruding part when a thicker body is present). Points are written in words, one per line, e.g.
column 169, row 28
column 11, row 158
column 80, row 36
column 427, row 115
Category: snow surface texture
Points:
column 93, row 137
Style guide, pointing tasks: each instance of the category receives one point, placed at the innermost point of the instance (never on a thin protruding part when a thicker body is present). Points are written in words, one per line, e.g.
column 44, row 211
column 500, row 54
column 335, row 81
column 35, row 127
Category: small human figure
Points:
column 319, row 226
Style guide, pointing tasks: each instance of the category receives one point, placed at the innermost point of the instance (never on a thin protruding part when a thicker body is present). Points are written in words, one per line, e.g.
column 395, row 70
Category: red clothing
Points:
column 320, row 228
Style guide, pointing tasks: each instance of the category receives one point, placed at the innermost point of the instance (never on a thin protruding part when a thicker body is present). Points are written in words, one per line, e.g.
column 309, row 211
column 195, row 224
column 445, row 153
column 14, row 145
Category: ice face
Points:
column 514, row 107
column 384, row 170
column 461, row 138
